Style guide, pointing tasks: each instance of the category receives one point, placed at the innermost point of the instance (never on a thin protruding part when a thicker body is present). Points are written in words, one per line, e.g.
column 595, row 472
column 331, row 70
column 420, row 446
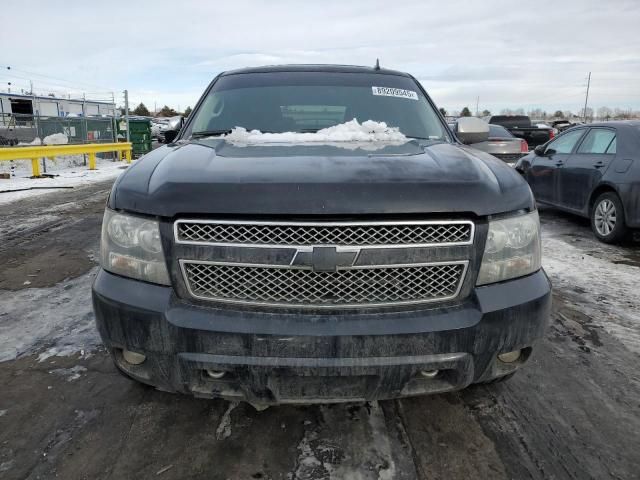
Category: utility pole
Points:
column 477, row 106
column 126, row 111
column 586, row 99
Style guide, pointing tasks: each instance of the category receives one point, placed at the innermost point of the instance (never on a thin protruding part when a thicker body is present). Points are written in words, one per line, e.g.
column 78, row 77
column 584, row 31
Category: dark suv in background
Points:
column 593, row 171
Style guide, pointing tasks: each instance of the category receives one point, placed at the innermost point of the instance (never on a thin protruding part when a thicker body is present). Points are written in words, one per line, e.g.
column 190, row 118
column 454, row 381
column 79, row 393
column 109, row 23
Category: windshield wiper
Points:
column 210, row 133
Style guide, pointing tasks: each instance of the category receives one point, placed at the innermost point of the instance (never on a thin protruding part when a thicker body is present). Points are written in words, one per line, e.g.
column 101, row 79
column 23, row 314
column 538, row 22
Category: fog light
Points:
column 133, row 358
column 509, row 357
column 429, row 373
column 215, row 373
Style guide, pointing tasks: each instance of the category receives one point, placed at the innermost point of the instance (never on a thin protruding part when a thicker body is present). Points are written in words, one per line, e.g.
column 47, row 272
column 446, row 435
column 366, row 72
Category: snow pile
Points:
column 599, row 288
column 69, row 171
column 54, row 320
column 35, row 142
column 56, row 139
column 53, row 139
column 352, row 131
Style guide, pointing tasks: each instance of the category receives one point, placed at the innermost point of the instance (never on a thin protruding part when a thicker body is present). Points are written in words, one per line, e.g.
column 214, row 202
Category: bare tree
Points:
column 604, row 113
column 588, row 115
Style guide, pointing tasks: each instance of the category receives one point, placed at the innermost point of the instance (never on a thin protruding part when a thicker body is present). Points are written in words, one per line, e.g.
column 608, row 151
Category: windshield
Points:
column 308, row 101
column 499, row 132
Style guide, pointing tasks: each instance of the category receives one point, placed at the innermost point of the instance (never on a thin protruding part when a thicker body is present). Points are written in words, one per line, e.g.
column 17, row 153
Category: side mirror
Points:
column 539, row 150
column 472, row 130
column 170, row 135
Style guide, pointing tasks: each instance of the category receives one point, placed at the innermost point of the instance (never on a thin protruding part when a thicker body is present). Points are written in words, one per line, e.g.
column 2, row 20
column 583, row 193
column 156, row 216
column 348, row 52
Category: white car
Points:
column 158, row 127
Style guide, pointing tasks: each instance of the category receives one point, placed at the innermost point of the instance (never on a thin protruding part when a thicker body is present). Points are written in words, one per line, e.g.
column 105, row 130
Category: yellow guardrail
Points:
column 34, row 153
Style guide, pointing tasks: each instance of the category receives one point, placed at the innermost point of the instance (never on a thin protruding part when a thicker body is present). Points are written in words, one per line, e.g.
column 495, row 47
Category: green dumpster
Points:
column 139, row 134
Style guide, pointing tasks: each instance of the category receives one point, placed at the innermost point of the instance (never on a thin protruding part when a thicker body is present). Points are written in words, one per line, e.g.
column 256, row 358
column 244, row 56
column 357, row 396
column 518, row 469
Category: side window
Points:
column 566, row 142
column 597, row 140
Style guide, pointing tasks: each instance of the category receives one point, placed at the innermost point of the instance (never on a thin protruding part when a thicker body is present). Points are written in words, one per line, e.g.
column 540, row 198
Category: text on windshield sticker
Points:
column 395, row 92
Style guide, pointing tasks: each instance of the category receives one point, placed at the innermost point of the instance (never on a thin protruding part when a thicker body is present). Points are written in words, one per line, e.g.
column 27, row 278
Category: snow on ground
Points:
column 70, row 172
column 56, row 320
column 71, row 374
column 352, row 131
column 607, row 292
column 329, row 455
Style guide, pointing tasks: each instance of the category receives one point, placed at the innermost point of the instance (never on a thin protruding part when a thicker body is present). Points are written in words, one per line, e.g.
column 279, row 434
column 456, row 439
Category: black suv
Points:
column 593, row 171
column 317, row 269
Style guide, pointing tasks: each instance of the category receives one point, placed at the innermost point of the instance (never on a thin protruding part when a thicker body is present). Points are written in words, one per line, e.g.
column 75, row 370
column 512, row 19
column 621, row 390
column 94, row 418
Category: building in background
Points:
column 19, row 105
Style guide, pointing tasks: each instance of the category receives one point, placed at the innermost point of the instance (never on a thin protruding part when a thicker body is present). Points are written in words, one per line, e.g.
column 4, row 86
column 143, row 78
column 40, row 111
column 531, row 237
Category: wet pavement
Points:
column 572, row 413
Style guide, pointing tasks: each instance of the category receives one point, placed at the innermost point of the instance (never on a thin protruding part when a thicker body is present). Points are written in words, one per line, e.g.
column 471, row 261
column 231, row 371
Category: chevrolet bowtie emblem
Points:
column 325, row 259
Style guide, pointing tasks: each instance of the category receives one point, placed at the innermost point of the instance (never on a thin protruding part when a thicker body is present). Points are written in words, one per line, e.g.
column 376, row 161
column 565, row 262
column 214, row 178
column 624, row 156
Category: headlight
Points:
column 131, row 247
column 512, row 249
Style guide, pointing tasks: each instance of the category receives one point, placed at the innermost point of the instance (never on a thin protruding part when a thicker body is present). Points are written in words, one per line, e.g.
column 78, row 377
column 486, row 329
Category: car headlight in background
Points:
column 512, row 249
column 131, row 247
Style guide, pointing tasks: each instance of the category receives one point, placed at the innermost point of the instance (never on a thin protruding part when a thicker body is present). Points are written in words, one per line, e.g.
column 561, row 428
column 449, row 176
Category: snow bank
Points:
column 69, row 171
column 36, row 141
column 352, row 131
column 601, row 289
column 55, row 139
column 55, row 320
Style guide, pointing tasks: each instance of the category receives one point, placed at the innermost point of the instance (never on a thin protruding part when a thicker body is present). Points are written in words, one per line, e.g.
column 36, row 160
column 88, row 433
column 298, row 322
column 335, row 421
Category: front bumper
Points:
column 282, row 357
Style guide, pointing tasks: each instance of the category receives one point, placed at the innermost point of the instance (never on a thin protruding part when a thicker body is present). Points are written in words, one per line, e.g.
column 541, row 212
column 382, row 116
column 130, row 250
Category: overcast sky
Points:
column 509, row 53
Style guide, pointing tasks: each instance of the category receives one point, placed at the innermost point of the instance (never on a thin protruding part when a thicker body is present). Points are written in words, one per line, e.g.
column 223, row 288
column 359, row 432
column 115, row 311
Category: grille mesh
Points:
column 350, row 287
column 300, row 234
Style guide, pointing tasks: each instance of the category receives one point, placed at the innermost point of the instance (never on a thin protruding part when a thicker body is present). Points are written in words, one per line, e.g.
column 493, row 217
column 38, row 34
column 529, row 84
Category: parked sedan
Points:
column 593, row 171
column 501, row 144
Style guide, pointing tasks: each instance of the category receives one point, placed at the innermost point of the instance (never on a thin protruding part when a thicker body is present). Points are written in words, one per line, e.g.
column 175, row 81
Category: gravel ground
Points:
column 65, row 412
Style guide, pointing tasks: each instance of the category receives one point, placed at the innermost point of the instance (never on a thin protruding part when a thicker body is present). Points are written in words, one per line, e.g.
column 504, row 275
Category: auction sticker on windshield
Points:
column 395, row 92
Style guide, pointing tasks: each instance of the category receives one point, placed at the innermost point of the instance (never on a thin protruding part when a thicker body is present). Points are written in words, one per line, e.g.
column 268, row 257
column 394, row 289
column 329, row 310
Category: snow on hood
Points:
column 351, row 132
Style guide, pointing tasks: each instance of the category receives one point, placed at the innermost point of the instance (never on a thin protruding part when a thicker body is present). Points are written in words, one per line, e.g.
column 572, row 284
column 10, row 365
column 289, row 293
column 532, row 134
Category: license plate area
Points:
column 321, row 388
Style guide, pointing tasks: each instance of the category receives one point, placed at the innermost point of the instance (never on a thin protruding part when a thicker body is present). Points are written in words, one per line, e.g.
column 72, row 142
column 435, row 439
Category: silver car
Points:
column 501, row 144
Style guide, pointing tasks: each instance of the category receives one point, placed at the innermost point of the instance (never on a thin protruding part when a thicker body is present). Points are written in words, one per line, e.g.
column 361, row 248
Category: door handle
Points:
column 559, row 163
column 599, row 164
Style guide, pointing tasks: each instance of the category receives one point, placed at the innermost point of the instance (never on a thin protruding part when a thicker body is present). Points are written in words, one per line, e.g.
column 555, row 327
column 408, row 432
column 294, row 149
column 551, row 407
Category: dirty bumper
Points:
column 289, row 357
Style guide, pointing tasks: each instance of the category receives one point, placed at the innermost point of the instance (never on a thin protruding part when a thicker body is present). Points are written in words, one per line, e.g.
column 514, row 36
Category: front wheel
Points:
column 607, row 218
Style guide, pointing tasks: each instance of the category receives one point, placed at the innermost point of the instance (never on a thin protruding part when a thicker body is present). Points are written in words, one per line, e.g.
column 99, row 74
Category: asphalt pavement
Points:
column 572, row 413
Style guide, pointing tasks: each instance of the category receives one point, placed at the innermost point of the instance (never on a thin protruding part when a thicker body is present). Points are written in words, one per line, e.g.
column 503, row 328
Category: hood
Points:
column 215, row 177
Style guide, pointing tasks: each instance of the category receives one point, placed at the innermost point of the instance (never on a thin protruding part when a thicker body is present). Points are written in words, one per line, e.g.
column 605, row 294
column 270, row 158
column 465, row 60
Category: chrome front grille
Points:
column 328, row 264
column 351, row 287
column 379, row 234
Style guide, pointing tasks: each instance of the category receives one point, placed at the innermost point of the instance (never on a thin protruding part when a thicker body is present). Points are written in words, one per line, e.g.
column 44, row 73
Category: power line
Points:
column 75, row 82
column 46, row 85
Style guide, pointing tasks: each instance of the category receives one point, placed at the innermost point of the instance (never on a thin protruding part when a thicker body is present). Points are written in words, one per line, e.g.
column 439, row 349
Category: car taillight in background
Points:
column 524, row 146
column 553, row 133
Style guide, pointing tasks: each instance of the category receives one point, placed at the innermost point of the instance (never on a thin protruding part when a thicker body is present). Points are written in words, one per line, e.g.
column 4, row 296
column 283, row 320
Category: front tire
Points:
column 607, row 218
